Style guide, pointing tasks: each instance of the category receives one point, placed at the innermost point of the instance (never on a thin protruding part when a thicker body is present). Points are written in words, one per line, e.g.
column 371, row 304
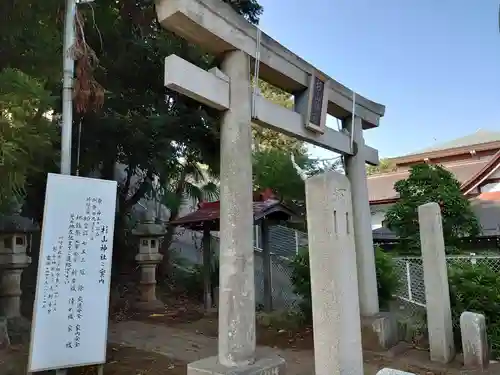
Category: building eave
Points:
column 436, row 154
column 490, row 168
column 467, row 187
column 384, row 201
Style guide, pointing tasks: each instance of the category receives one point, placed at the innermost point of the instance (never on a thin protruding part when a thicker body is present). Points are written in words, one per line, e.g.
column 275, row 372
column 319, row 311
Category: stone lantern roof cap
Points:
column 11, row 224
column 149, row 230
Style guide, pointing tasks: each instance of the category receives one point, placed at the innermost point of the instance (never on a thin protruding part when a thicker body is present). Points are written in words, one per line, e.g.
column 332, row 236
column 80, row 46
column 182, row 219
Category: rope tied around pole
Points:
column 353, row 122
column 255, row 81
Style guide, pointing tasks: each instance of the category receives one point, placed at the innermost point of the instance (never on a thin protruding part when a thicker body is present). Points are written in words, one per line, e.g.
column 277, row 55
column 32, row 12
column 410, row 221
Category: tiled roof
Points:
column 479, row 137
column 381, row 186
column 210, row 212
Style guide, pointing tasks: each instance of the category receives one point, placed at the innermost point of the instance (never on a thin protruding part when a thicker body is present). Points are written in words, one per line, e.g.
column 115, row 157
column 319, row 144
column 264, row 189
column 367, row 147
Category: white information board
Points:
column 70, row 317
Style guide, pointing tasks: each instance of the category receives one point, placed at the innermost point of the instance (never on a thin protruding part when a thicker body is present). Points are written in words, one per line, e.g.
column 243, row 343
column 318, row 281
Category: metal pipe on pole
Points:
column 67, row 93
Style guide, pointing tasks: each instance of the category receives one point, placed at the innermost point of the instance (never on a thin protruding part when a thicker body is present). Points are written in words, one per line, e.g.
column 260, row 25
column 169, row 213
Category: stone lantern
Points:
column 14, row 231
column 149, row 234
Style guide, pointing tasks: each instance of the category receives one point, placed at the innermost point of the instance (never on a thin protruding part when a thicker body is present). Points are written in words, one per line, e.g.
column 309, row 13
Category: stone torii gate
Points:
column 214, row 26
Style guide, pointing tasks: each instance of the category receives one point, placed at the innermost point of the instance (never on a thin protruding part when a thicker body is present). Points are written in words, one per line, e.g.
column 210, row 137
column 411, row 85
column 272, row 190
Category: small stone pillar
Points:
column 474, row 340
column 148, row 258
column 437, row 293
column 14, row 259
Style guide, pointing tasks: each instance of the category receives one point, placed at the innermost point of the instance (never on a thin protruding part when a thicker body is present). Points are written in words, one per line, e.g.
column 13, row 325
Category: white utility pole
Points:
column 67, row 93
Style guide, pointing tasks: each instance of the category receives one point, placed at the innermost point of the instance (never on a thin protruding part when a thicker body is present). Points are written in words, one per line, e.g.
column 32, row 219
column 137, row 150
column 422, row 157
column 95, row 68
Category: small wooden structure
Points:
column 267, row 211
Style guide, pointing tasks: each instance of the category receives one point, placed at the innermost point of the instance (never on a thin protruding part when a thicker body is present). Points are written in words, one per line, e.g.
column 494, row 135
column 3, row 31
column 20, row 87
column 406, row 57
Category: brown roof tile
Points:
column 381, row 186
column 210, row 212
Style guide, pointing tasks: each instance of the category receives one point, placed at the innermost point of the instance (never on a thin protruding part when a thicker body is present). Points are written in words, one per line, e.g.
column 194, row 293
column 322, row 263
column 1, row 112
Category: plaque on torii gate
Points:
column 306, row 122
column 214, row 26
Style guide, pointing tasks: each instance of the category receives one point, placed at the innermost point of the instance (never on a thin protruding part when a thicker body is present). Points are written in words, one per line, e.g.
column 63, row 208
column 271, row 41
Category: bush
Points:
column 191, row 280
column 387, row 280
column 302, row 283
column 476, row 288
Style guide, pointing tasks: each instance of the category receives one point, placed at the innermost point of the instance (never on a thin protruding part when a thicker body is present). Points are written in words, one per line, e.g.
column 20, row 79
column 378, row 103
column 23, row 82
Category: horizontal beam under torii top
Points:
column 212, row 88
column 216, row 27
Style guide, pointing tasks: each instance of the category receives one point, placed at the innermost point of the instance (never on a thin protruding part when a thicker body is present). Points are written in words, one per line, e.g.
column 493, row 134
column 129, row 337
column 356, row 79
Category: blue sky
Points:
column 434, row 64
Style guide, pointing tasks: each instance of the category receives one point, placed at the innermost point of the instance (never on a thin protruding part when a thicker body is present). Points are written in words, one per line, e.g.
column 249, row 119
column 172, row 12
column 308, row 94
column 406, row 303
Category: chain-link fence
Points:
column 410, row 297
column 284, row 244
column 283, row 297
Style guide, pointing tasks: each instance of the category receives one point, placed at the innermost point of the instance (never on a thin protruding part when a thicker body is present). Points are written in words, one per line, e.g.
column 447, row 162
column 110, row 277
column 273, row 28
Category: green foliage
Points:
column 28, row 34
column 193, row 280
column 26, row 135
column 273, row 168
column 387, row 280
column 288, row 320
column 301, row 281
column 265, row 139
column 431, row 183
column 476, row 288
column 385, row 166
column 141, row 124
column 189, row 181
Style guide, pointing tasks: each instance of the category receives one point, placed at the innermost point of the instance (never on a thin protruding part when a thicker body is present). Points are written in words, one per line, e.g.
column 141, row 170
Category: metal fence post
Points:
column 297, row 242
column 408, row 280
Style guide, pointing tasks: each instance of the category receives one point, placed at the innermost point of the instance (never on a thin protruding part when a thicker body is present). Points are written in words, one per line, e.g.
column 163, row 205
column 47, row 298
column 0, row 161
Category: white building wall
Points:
column 490, row 186
column 378, row 214
column 488, row 214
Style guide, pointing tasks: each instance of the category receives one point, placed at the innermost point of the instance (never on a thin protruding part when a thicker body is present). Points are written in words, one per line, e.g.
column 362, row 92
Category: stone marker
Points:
column 334, row 282
column 384, row 326
column 474, row 340
column 437, row 294
column 390, row 371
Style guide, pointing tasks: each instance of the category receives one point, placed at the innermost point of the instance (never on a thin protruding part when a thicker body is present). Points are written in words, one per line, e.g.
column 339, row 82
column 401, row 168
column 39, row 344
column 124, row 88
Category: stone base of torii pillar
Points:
column 264, row 364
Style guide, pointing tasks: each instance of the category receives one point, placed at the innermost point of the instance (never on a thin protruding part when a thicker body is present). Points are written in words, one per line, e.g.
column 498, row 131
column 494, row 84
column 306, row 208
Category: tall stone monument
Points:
column 334, row 281
column 437, row 293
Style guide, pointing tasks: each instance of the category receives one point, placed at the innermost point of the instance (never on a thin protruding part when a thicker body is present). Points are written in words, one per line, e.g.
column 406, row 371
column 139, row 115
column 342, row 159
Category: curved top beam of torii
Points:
column 216, row 27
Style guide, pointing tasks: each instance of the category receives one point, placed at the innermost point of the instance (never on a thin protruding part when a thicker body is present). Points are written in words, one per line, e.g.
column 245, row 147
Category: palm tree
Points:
column 188, row 181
